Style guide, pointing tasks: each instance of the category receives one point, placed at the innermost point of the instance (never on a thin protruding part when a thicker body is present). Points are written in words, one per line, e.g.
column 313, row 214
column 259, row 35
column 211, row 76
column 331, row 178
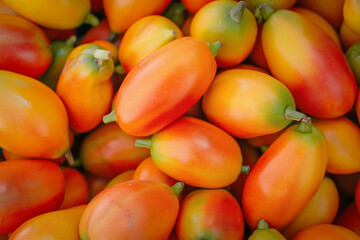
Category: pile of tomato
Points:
column 171, row 119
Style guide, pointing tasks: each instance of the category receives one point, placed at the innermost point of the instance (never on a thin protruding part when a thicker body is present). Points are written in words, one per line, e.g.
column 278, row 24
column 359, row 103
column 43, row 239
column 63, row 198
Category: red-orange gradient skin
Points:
column 122, row 13
column 164, row 86
column 326, row 232
column 147, row 170
column 135, row 209
column 28, row 188
column 76, row 188
column 285, row 178
column 349, row 218
column 24, row 47
column 210, row 214
column 33, row 119
column 85, row 88
column 107, row 151
column 197, row 153
column 99, row 32
column 309, row 63
column 194, row 5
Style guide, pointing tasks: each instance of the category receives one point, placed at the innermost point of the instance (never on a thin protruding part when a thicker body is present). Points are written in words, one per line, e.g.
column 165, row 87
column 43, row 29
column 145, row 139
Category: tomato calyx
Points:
column 263, row 12
column 215, row 47
column 237, row 12
column 305, row 125
column 177, row 188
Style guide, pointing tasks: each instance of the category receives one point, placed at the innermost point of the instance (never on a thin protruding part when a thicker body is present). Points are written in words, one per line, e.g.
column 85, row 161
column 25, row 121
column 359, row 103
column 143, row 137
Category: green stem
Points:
column 245, row 169
column 262, row 225
column 111, row 117
column 292, row 114
column 263, row 148
column 71, row 41
column 237, row 12
column 112, row 36
column 258, row 16
column 215, row 47
column 177, row 188
column 119, row 69
column 305, row 125
column 266, row 11
column 69, row 158
column 102, row 54
column 143, row 142
column 91, row 19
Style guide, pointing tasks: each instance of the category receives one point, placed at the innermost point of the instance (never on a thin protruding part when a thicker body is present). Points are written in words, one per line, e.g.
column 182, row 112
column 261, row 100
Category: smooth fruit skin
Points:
column 213, row 23
column 232, row 103
column 277, row 184
column 122, row 177
column 351, row 13
column 99, row 32
column 76, row 188
column 353, row 57
column 326, row 232
column 141, row 210
column 122, row 14
column 194, row 6
column 107, row 151
column 276, row 4
column 349, row 218
column 348, row 37
column 25, row 49
column 197, row 153
column 343, row 141
column 28, row 188
column 210, row 214
column 56, row 225
column 85, row 87
column 57, row 14
column 180, row 77
column 309, row 63
column 322, row 208
column 144, row 37
column 147, row 170
column 33, row 119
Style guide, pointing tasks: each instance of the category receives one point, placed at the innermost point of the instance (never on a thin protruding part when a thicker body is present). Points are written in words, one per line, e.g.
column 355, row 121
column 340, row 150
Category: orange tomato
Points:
column 277, row 188
column 195, row 5
column 28, row 188
column 33, row 119
column 144, row 37
column 180, row 77
column 122, row 14
column 60, row 224
column 351, row 11
column 85, row 86
column 122, row 177
column 343, row 141
column 348, row 37
column 322, row 208
column 326, row 232
column 140, row 209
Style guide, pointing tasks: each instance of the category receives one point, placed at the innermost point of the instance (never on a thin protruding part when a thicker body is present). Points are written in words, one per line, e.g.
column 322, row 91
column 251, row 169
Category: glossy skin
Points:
column 348, row 37
column 57, row 14
column 99, row 32
column 139, row 110
column 47, row 225
column 147, row 170
column 122, row 14
column 25, row 49
column 349, row 218
column 26, row 194
column 213, row 23
column 210, row 214
column 343, row 140
column 122, row 177
column 76, row 188
column 332, row 11
column 326, row 232
column 276, row 4
column 320, row 22
column 297, row 53
column 353, row 57
column 85, row 88
column 140, row 209
column 267, row 195
column 322, row 208
column 194, row 5
column 107, row 151
column 236, row 92
column 33, row 119
column 197, row 153
column 351, row 13
column 144, row 37
column 265, row 140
